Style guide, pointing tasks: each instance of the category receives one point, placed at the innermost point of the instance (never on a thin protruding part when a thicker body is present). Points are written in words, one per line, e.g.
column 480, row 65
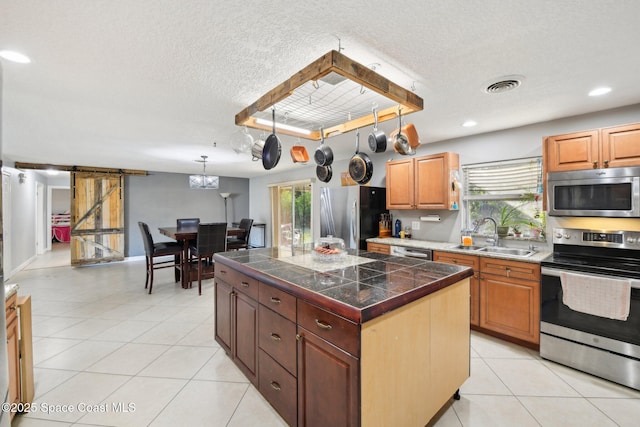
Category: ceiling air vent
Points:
column 504, row 84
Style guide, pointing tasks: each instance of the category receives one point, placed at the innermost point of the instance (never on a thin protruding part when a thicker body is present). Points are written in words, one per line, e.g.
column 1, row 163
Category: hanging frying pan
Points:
column 377, row 138
column 324, row 173
column 360, row 165
column 272, row 147
column 323, row 154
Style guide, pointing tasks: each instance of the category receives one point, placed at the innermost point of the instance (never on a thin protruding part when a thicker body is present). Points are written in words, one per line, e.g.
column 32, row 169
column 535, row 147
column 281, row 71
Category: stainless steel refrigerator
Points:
column 352, row 213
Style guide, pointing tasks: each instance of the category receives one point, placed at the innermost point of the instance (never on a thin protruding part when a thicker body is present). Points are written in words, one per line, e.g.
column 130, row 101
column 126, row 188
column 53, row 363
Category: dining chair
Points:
column 242, row 241
column 156, row 250
column 211, row 238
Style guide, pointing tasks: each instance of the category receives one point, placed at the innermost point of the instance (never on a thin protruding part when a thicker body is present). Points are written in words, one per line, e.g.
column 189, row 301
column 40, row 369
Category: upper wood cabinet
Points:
column 423, row 182
column 617, row 146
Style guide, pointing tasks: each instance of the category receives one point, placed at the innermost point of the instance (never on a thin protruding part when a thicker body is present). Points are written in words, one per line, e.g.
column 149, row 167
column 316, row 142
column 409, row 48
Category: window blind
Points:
column 514, row 179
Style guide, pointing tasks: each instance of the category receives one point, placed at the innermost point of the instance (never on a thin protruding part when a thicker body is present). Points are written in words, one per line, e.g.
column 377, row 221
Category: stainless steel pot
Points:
column 377, row 138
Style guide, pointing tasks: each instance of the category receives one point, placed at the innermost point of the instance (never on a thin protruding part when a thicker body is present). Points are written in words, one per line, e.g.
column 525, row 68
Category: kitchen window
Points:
column 510, row 192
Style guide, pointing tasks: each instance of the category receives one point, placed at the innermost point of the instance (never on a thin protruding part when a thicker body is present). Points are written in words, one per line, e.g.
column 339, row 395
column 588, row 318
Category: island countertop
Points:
column 359, row 287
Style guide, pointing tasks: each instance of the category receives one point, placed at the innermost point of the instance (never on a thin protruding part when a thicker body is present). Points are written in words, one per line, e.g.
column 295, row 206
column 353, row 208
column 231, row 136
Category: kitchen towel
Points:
column 599, row 296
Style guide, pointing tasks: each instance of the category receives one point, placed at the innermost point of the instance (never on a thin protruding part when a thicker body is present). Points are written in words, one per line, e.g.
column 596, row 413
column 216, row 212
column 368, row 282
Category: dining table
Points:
column 188, row 234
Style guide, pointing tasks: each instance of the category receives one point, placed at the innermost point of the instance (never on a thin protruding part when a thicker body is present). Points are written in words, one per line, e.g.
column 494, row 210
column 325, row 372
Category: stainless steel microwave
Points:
column 612, row 193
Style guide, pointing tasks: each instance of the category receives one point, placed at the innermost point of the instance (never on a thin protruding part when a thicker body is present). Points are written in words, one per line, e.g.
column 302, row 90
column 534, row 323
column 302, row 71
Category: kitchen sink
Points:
column 497, row 250
column 507, row 251
column 468, row 248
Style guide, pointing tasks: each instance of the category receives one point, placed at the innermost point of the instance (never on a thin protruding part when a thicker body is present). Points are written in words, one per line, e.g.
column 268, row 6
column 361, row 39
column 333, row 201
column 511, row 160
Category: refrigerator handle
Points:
column 354, row 211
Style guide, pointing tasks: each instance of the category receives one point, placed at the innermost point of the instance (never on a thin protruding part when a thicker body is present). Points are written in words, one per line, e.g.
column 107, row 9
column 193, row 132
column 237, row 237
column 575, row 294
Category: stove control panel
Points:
column 602, row 238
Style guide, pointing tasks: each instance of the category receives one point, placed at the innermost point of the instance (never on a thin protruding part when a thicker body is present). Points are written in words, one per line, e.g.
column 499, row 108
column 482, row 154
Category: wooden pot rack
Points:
column 334, row 93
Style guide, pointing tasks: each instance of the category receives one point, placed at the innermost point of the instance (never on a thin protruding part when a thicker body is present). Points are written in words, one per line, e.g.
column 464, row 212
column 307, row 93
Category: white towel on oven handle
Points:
column 597, row 295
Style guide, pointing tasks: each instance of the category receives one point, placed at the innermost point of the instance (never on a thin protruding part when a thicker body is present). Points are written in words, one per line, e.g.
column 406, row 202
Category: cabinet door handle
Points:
column 275, row 386
column 276, row 337
column 275, row 300
column 12, row 307
column 595, row 165
column 245, row 284
column 323, row 325
column 606, row 163
column 298, row 337
column 508, row 270
column 223, row 271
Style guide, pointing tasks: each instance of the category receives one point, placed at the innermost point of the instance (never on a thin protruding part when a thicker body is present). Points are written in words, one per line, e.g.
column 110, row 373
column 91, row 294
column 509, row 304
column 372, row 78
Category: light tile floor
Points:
column 120, row 357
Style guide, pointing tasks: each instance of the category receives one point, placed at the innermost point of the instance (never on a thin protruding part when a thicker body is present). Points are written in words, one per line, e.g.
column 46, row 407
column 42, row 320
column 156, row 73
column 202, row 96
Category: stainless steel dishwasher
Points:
column 403, row 251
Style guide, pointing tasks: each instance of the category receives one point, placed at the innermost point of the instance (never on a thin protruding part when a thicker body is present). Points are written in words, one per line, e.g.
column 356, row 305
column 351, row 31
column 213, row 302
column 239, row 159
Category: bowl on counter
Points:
column 329, row 249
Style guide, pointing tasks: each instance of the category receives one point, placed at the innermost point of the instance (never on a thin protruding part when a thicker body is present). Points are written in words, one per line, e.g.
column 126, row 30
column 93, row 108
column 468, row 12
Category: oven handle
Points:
column 546, row 271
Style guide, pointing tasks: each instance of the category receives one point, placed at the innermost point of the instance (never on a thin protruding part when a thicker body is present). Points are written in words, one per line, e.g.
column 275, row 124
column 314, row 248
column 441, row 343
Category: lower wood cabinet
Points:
column 236, row 327
column 328, row 383
column 13, row 349
column 510, row 298
column 317, row 368
column 505, row 295
column 379, row 248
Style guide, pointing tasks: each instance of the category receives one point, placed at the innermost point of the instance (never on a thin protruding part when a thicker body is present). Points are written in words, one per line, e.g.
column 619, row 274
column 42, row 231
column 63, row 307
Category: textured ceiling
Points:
column 152, row 85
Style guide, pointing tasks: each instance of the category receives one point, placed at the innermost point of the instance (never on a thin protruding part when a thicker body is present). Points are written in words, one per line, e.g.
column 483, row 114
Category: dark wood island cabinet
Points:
column 369, row 339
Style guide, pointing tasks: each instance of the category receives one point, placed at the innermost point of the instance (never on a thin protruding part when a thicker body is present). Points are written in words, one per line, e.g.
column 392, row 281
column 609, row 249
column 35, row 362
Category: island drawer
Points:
column 278, row 301
column 277, row 337
column 335, row 329
column 279, row 388
column 511, row 269
column 243, row 283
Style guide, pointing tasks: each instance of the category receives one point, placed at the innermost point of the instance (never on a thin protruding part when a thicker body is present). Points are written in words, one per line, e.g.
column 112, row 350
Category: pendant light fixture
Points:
column 204, row 181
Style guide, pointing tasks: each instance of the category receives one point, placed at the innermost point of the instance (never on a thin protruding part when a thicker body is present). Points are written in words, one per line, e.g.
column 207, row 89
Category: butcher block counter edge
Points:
column 354, row 314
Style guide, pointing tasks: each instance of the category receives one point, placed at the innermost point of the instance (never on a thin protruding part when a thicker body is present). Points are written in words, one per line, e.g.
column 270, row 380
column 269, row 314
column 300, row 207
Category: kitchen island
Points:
column 365, row 339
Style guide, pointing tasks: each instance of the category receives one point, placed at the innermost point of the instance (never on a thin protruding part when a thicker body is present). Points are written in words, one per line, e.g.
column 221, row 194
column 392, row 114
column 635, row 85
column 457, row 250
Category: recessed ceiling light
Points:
column 600, row 91
column 13, row 56
column 469, row 124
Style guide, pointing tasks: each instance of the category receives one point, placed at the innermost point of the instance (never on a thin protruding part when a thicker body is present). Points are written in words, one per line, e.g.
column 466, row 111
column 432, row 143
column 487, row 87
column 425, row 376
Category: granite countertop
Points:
column 9, row 290
column 359, row 287
column 450, row 247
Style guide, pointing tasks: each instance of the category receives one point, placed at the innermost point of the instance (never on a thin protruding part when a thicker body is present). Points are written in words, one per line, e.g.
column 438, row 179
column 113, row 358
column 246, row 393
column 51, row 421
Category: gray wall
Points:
column 160, row 198
column 513, row 143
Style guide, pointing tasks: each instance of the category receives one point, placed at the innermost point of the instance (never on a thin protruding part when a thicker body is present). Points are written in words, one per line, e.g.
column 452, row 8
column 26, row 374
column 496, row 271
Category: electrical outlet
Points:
column 415, row 225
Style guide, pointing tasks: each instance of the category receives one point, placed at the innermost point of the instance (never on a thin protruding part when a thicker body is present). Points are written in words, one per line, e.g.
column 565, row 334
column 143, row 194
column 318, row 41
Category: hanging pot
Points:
column 400, row 142
column 360, row 165
column 324, row 173
column 272, row 148
column 256, row 150
column 410, row 133
column 323, row 154
column 377, row 138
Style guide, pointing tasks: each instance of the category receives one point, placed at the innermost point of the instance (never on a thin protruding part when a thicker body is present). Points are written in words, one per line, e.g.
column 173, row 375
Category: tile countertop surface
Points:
column 359, row 287
column 9, row 290
column 450, row 247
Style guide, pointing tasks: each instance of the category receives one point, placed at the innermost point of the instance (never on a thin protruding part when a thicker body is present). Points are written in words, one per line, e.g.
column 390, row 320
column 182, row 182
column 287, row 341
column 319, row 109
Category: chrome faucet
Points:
column 495, row 239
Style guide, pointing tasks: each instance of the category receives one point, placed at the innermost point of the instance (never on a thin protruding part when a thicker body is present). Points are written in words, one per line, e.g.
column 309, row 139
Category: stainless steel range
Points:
column 597, row 272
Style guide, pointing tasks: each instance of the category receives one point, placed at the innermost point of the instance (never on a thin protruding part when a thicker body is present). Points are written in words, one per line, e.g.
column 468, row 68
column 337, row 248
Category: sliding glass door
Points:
column 291, row 213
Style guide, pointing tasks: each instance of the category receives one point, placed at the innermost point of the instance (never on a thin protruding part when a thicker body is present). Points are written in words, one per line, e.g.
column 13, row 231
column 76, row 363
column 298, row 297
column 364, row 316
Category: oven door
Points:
column 622, row 337
column 609, row 197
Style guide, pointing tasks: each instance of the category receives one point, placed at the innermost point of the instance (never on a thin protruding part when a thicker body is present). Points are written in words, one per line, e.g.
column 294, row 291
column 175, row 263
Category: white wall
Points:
column 60, row 200
column 513, row 143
